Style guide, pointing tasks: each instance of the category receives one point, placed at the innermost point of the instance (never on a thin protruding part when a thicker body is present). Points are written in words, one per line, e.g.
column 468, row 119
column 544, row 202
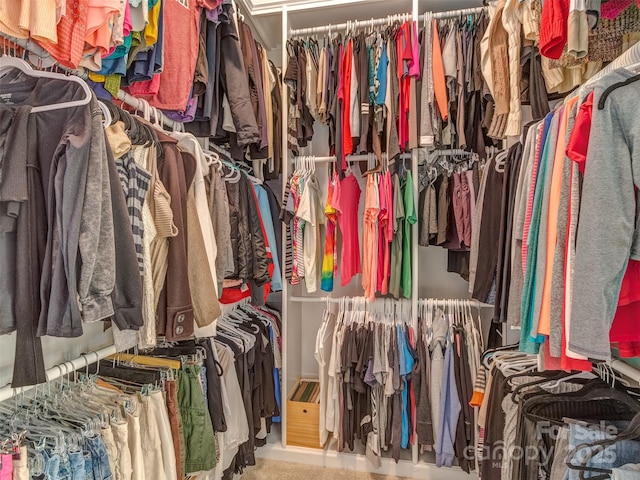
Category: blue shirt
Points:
column 267, row 220
column 382, row 76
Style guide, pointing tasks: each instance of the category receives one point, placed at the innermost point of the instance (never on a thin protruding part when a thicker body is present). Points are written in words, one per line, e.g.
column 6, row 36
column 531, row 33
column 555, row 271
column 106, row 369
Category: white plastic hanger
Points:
column 107, row 114
column 8, row 62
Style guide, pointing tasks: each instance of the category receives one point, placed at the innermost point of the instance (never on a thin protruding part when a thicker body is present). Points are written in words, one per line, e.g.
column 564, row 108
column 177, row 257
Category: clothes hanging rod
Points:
column 350, row 158
column 351, row 25
column 626, row 370
column 450, row 151
column 455, row 13
column 137, row 103
column 402, row 156
column 437, row 302
column 61, row 369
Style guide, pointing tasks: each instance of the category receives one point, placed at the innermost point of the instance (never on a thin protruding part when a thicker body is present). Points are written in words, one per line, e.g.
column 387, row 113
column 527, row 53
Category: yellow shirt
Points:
column 151, row 30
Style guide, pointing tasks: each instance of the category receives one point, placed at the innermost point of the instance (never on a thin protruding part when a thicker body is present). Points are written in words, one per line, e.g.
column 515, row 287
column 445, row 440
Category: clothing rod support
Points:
column 61, row 369
column 436, row 302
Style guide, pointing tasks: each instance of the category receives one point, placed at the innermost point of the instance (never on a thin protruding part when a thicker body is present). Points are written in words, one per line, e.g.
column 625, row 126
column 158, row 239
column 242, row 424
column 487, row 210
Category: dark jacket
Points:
column 78, row 274
column 247, row 238
column 63, row 152
column 31, row 235
column 254, row 79
column 13, row 195
column 234, row 83
column 175, row 308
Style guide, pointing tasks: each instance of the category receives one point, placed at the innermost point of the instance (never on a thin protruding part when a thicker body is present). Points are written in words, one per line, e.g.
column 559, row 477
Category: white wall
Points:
column 56, row 350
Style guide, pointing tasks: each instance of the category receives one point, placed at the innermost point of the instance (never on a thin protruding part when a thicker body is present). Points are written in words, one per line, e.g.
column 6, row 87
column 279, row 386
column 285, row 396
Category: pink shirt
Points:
column 346, row 201
column 181, row 40
column 383, row 221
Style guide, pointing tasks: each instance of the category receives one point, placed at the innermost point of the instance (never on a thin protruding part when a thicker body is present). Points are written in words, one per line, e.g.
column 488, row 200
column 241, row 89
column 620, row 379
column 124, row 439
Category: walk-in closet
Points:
column 287, row 239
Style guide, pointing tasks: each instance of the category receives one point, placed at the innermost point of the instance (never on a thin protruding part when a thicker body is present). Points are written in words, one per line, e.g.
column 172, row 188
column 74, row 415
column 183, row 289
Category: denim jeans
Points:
column 52, row 465
column 64, row 472
column 101, row 469
column 76, row 465
column 88, row 465
column 616, row 455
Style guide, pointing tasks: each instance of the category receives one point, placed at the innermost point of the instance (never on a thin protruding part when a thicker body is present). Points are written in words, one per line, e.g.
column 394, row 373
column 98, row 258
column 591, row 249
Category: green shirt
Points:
column 396, row 243
column 410, row 219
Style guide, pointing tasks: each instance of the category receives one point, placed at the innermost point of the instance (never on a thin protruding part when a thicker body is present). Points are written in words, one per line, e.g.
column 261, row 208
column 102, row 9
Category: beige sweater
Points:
column 512, row 22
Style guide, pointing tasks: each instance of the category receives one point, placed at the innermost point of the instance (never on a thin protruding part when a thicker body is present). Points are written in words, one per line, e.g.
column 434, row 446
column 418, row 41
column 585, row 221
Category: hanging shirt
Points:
column 381, row 75
column 329, row 262
column 396, row 244
column 439, row 84
column 625, row 328
column 346, row 201
column 310, row 210
column 347, row 66
column 265, row 213
column 529, row 338
column 297, row 271
column 181, row 39
column 71, row 32
column 383, row 221
column 410, row 218
column 370, row 241
column 30, row 18
column 354, row 106
column 544, row 322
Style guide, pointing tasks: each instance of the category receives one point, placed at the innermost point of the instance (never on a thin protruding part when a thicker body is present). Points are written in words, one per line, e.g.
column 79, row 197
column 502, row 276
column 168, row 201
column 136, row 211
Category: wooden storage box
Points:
column 303, row 421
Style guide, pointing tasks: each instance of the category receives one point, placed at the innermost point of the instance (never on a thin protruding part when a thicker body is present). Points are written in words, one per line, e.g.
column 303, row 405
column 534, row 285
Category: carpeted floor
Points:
column 275, row 470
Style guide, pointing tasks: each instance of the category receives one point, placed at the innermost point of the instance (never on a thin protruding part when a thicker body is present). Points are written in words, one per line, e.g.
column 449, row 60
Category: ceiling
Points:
column 266, row 15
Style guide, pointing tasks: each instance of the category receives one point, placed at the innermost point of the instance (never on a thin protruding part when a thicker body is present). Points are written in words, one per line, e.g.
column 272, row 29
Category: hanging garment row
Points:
column 390, row 384
column 554, row 424
column 533, row 51
column 377, row 90
column 203, row 75
column 449, row 189
column 460, row 82
column 193, row 409
column 315, row 227
column 548, row 217
column 155, row 228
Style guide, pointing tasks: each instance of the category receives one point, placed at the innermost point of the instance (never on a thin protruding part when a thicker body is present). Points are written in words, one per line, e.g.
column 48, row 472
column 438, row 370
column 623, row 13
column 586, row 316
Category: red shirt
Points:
column 347, row 141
